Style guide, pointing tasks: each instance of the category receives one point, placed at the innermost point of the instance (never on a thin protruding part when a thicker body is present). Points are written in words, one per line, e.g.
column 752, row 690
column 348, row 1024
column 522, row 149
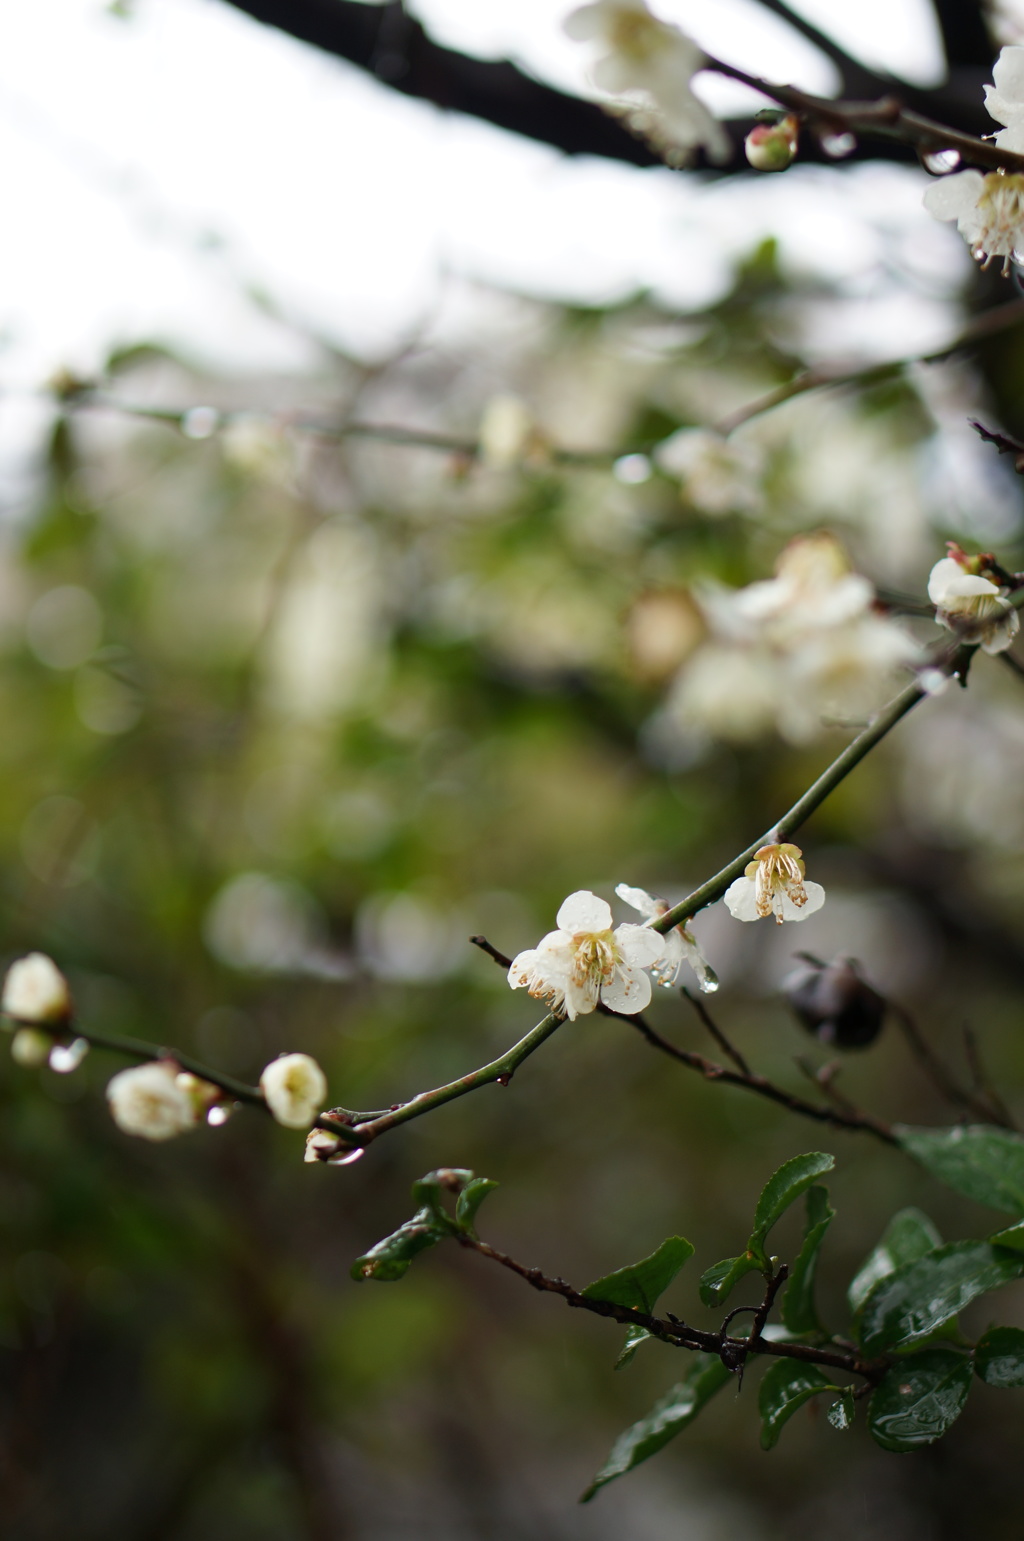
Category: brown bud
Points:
column 834, row 1003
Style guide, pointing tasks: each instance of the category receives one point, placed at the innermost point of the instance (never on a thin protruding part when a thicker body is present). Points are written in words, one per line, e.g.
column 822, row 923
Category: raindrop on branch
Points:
column 941, row 162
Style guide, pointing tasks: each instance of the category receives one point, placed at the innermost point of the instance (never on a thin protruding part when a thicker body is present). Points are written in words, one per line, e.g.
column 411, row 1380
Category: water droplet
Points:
column 709, row 984
column 838, row 145
column 200, row 422
column 932, row 681
column 941, row 162
column 353, row 1155
column 65, row 1057
column 219, row 1114
column 632, row 469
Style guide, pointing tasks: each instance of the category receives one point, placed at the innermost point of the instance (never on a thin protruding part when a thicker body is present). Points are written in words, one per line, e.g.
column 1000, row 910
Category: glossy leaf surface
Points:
column 717, row 1281
column 634, row 1337
column 786, row 1386
column 641, row 1284
column 917, row 1297
column 919, row 1399
column 390, row 1258
column 782, row 1189
column 999, row 1357
column 979, row 1160
column 470, row 1199
column 799, row 1313
column 909, row 1235
column 706, row 1375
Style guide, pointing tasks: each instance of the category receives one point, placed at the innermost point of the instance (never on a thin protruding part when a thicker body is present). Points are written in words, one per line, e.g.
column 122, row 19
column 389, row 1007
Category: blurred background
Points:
column 291, row 709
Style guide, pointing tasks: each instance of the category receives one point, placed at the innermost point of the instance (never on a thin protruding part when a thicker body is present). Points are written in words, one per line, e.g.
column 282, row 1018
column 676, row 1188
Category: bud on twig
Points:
column 773, row 146
column 834, row 1003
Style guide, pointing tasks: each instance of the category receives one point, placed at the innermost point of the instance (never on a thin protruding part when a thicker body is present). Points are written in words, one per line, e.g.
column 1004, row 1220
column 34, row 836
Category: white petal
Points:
column 969, row 586
column 522, row 966
column 741, row 899
column 1005, row 99
column 1012, row 138
column 584, row 911
column 556, row 950
column 1003, row 635
column 637, row 899
column 953, row 197
column 941, row 576
column 585, row 22
column 640, row 946
column 628, row 990
column 580, row 999
column 815, row 899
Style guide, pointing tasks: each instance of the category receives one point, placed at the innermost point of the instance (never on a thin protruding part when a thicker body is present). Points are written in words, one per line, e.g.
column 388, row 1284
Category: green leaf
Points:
column 717, row 1281
column 917, row 1297
column 982, row 1162
column 786, row 1386
column 640, row 1284
column 909, row 1234
column 469, row 1201
column 634, row 1337
column 428, row 1192
column 919, row 1399
column 781, row 1190
column 390, row 1258
column 999, row 1357
column 799, row 1313
column 1012, row 1237
column 667, row 1418
column 840, row 1414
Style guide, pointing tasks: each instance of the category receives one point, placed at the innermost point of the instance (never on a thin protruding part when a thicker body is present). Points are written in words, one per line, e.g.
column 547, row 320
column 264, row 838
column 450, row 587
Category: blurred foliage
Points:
column 290, row 717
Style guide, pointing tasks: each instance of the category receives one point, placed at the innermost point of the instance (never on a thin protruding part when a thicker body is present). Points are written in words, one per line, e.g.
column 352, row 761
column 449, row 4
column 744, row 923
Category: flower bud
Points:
column 834, row 1003
column 148, row 1101
column 31, row 1048
column 35, row 990
column 294, row 1087
column 773, row 146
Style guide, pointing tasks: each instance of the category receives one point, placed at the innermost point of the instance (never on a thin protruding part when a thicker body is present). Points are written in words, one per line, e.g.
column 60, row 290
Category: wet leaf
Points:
column 919, row 1399
column 390, row 1258
column 799, row 1313
column 999, row 1357
column 787, row 1385
column 634, row 1337
column 840, row 1414
column 909, row 1235
column 470, row 1199
column 706, row 1375
column 982, row 1162
column 717, row 1281
column 640, row 1284
column 917, row 1297
column 781, row 1190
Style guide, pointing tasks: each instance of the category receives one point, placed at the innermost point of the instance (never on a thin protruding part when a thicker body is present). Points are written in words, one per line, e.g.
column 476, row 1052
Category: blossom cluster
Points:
column 789, row 652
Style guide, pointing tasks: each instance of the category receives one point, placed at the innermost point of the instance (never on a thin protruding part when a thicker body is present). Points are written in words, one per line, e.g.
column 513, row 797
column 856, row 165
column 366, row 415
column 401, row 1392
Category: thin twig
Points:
column 728, row 1049
column 824, row 1080
column 941, row 1077
column 982, row 1082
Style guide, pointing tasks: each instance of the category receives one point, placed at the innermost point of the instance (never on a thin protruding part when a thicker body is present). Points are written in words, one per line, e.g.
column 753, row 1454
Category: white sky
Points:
column 124, row 145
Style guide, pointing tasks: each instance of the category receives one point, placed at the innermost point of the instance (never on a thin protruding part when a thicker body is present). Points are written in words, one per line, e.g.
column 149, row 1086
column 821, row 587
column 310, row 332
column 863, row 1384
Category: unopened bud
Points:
column 834, row 1003
column 773, row 146
column 31, row 1048
column 294, row 1087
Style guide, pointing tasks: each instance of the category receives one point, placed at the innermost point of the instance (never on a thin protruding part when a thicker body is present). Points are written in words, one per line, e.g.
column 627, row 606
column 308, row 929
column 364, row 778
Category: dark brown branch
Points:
column 679, row 1334
column 728, row 1049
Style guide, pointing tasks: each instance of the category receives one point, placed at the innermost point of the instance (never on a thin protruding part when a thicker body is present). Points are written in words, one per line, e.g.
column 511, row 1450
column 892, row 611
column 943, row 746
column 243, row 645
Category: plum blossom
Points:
column 585, row 962
column 294, row 1087
column 716, row 474
column 679, row 944
column 989, row 207
column 153, row 1101
column 653, row 62
column 969, row 604
column 773, row 884
column 35, row 990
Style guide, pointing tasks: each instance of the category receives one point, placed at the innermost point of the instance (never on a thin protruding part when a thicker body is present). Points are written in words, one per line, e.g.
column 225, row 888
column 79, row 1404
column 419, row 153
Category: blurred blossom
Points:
column 790, row 652
column 404, row 938
column 270, row 925
column 716, row 475
column 656, row 61
column 507, row 433
column 259, row 448
column 955, row 789
column 970, row 604
column 30, row 1048
column 64, row 627
column 663, row 627
column 35, row 990
column 149, row 1101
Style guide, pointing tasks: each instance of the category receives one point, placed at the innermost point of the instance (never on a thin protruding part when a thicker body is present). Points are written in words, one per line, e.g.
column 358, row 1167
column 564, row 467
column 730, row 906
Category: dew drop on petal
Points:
column 65, row 1057
column 838, row 145
column 941, row 162
column 200, row 422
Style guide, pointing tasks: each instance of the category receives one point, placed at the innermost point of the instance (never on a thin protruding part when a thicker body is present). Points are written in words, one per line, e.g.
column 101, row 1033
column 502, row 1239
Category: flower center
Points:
column 778, row 870
column 1001, row 210
column 594, row 957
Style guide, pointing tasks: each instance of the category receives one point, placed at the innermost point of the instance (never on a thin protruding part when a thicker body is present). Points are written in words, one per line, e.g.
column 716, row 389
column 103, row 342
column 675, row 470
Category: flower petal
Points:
column 521, row 968
column 741, row 899
column 953, row 197
column 580, row 999
column 941, row 576
column 815, row 899
column 584, row 911
column 639, row 945
column 638, row 899
column 584, row 23
column 1003, row 633
column 628, row 990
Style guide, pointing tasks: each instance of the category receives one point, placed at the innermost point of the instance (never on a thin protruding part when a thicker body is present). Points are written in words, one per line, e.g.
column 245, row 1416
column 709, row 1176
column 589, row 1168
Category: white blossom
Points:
column 653, row 60
column 680, row 946
column 508, row 433
column 153, row 1101
column 971, row 605
column 585, row 961
column 773, row 884
column 1004, row 99
column 295, row 1088
column 716, row 475
column 35, row 990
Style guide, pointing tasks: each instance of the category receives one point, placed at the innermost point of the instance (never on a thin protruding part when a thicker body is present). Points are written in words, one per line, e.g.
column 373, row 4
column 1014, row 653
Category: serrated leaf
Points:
column 634, row 1337
column 428, row 1192
column 909, row 1234
column 917, row 1297
column 470, row 1199
column 781, row 1190
column 982, row 1162
column 639, row 1285
column 798, row 1309
column 667, row 1418
column 840, row 1414
column 919, row 1399
column 786, row 1386
column 999, row 1357
column 717, row 1281
column 390, row 1258
column 1012, row 1237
